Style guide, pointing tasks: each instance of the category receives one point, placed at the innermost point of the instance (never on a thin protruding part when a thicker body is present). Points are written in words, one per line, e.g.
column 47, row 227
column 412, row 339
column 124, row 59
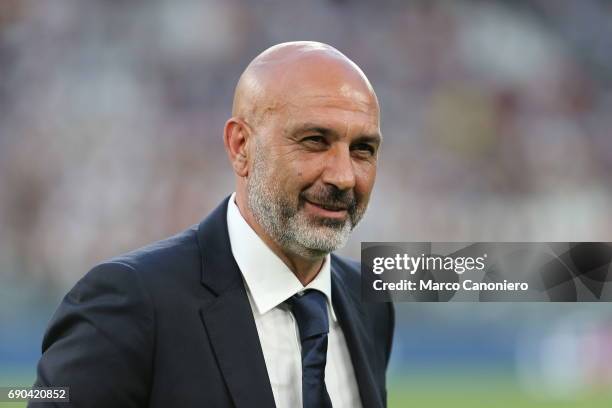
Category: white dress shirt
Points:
column 269, row 282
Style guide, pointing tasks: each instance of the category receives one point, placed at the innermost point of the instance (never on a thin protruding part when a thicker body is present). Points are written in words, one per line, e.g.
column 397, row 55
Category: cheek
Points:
column 364, row 180
column 293, row 177
column 304, row 172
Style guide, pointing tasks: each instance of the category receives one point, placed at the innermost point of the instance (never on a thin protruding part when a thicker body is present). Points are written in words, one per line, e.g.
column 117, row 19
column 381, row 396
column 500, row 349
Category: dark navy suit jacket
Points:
column 170, row 325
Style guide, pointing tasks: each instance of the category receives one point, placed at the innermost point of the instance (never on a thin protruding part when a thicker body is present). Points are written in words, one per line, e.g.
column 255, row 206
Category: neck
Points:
column 305, row 268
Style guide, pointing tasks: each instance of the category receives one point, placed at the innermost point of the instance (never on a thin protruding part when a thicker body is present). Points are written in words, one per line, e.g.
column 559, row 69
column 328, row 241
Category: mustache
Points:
column 331, row 197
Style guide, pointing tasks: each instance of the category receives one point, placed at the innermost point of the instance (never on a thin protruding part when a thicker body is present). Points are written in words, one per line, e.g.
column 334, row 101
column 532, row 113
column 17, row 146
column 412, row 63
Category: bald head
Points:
column 287, row 72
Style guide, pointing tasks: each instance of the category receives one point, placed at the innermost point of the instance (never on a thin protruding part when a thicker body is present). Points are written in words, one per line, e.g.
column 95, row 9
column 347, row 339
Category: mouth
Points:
column 326, row 210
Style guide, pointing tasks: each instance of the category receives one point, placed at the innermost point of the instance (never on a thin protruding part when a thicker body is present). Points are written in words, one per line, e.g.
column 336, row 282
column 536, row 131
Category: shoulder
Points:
column 125, row 291
column 171, row 263
column 179, row 250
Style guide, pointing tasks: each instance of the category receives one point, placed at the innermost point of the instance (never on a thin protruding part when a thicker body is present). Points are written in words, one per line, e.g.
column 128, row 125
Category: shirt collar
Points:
column 268, row 279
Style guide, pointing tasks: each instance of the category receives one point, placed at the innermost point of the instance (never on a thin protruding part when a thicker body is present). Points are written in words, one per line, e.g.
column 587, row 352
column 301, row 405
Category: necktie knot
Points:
column 310, row 311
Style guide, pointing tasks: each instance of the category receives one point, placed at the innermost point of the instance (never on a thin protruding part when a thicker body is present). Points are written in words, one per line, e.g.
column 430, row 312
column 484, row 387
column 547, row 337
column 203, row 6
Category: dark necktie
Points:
column 310, row 311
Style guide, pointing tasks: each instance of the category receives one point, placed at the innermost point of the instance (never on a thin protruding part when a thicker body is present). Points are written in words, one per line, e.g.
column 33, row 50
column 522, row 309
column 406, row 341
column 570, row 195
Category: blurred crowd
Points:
column 496, row 119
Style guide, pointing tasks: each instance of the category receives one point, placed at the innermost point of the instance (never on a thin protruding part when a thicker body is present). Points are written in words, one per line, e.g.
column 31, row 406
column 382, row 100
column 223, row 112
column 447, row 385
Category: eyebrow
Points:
column 369, row 138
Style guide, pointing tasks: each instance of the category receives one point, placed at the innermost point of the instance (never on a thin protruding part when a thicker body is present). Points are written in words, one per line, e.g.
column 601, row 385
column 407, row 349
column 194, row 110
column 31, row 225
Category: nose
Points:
column 339, row 167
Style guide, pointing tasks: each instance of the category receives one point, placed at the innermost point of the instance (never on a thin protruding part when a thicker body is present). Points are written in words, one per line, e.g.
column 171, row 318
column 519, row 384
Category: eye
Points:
column 314, row 140
column 363, row 148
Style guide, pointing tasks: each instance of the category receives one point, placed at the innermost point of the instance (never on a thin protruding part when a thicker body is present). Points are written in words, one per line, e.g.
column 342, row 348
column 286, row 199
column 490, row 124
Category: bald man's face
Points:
column 313, row 166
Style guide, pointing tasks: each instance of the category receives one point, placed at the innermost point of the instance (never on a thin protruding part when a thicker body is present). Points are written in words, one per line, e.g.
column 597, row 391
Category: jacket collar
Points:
column 220, row 272
column 228, row 318
column 358, row 338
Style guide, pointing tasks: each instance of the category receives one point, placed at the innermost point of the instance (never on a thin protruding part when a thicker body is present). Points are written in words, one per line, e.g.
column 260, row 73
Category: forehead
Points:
column 338, row 106
column 315, row 88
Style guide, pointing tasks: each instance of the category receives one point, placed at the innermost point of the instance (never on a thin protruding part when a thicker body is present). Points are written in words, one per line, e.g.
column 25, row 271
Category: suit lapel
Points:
column 350, row 316
column 228, row 318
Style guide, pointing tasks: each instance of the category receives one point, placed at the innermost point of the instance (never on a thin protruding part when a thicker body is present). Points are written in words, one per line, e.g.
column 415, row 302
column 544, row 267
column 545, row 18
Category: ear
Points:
column 236, row 135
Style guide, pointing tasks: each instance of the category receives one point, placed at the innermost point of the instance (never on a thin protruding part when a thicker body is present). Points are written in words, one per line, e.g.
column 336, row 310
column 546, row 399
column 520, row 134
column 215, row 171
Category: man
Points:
column 248, row 308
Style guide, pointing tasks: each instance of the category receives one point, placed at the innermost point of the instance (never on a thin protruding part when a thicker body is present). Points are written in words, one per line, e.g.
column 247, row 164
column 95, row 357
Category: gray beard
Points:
column 290, row 228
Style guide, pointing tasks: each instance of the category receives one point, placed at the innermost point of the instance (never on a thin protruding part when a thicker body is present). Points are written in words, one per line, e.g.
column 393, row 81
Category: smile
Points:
column 323, row 210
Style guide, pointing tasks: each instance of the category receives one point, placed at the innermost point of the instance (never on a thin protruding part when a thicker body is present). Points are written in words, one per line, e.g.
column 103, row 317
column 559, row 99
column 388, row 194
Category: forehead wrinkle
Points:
column 322, row 113
column 337, row 102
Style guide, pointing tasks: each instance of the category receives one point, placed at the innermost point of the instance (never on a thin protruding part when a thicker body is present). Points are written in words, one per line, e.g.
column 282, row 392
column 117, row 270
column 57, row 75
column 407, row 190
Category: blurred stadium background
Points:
column 497, row 117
